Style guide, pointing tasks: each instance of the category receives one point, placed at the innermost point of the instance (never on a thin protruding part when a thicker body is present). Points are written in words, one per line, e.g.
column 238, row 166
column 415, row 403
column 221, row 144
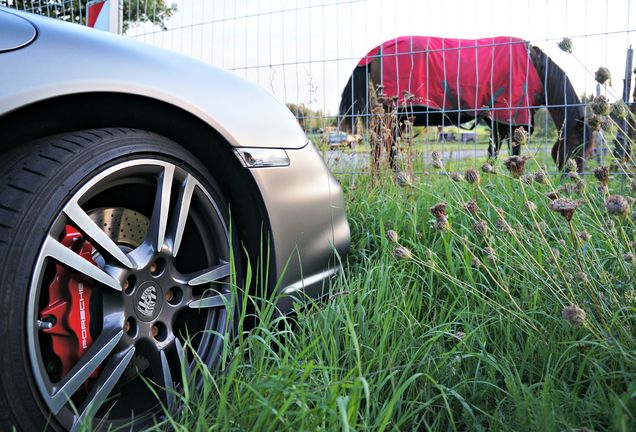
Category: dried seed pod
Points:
column 530, row 206
column 401, row 252
column 403, row 179
column 566, row 45
column 603, row 75
column 617, row 205
column 594, row 122
column 392, row 236
column 436, row 156
column 565, row 207
column 602, row 174
column 472, row 176
column 527, row 178
column 438, row 210
column 471, row 207
column 540, row 176
column 516, row 165
column 437, row 164
column 480, row 228
column 571, row 166
column 520, row 136
column 455, row 176
column 574, row 314
column 487, row 167
column 620, row 109
column 600, row 105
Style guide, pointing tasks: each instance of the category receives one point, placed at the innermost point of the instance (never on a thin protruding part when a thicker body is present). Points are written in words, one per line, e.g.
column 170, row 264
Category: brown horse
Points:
column 430, row 90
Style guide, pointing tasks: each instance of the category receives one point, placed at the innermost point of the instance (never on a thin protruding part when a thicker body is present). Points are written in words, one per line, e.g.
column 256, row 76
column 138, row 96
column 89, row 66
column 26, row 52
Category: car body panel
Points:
column 302, row 203
column 94, row 61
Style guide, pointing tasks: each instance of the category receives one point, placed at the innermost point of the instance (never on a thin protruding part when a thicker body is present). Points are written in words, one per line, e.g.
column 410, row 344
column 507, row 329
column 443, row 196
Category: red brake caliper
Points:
column 68, row 311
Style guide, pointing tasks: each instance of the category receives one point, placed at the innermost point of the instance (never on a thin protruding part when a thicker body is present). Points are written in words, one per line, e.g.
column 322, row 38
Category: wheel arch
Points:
column 82, row 111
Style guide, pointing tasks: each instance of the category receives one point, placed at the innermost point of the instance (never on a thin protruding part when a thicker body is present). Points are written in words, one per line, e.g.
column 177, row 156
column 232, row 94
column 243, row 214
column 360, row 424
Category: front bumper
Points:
column 309, row 229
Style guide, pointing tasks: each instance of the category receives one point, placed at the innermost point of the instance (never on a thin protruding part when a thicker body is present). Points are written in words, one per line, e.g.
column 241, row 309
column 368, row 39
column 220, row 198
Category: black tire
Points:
column 38, row 183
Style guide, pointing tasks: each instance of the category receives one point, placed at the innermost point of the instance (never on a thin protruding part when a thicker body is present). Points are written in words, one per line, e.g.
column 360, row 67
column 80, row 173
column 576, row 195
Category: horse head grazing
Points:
column 575, row 140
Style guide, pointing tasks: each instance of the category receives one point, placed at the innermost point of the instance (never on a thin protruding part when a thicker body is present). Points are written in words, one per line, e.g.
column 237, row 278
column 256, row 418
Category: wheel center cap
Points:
column 148, row 301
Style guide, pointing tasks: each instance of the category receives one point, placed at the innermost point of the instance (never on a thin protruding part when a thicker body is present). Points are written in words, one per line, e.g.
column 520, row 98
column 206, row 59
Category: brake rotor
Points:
column 124, row 226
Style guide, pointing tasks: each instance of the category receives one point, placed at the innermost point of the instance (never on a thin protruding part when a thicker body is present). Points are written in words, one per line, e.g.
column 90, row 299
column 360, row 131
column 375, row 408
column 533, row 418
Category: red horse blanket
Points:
column 494, row 74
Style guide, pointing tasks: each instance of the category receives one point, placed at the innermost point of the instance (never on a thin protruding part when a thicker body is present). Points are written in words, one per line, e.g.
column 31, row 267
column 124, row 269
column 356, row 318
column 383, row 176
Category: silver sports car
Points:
column 136, row 188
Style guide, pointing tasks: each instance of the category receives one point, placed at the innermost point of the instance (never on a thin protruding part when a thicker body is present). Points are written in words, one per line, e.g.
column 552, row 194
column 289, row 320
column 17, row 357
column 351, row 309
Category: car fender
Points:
column 244, row 113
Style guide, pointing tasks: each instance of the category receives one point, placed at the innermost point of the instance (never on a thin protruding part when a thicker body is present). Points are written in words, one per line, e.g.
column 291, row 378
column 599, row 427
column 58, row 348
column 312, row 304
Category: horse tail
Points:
column 354, row 98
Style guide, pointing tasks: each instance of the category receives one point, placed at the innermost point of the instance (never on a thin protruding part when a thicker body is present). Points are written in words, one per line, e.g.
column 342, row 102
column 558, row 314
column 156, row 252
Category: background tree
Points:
column 134, row 12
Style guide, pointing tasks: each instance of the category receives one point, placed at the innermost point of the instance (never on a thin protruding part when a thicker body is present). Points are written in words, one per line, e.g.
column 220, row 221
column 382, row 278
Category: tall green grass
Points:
column 467, row 334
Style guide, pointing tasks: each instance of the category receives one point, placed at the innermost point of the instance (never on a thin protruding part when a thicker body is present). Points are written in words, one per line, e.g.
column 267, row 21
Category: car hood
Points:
column 67, row 59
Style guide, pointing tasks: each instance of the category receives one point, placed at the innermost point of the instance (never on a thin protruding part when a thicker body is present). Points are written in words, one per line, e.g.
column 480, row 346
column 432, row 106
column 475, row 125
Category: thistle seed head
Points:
column 571, row 166
column 600, row 105
column 438, row 210
column 516, row 165
column 481, row 228
column 566, row 45
column 520, row 136
column 620, row 109
column 552, row 195
column 436, row 156
column 594, row 122
column 574, row 314
column 455, row 176
column 486, row 168
column 401, row 252
column 540, row 177
column 603, row 75
column 472, row 176
column 527, row 178
column 602, row 174
column 441, row 224
column 471, row 207
column 403, row 179
column 392, row 236
column 584, row 236
column 530, row 206
column 565, row 207
column 437, row 164
column 617, row 205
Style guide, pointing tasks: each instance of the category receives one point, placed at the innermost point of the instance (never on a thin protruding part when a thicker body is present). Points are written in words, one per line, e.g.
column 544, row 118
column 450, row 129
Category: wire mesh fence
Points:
column 415, row 85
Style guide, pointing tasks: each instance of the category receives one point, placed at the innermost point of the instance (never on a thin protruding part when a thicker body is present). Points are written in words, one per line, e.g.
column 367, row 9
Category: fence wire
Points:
column 367, row 98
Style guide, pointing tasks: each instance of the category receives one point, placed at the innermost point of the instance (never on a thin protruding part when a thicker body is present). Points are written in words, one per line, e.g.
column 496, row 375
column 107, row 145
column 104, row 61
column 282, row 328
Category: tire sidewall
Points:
column 28, row 235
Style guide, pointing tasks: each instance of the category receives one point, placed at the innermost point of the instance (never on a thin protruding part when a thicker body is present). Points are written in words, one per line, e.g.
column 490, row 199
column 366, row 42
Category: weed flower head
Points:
column 617, row 205
column 475, row 262
column 582, row 276
column 401, row 252
column 491, row 255
column 437, row 164
column 481, row 228
column 540, row 177
column 603, row 75
column 441, row 224
column 620, row 109
column 530, row 206
column 555, row 254
column 392, row 236
column 438, row 210
column 455, row 176
column 472, row 176
column 571, row 166
column 527, row 178
column 600, row 105
column 436, row 156
column 584, row 236
column 552, row 195
column 565, row 207
column 574, row 314
column 594, row 122
column 566, row 45
column 516, row 165
column 520, row 136
column 471, row 207
column 487, row 168
column 579, row 186
column 502, row 225
column 602, row 174
column 403, row 179
column 628, row 257
column 607, row 124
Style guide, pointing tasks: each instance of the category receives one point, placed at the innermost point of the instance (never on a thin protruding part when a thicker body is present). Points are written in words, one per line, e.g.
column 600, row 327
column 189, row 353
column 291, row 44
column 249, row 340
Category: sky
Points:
column 303, row 51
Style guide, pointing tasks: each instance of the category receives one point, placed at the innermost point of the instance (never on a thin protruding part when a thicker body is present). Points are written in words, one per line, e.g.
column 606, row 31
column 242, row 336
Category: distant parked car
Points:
column 337, row 139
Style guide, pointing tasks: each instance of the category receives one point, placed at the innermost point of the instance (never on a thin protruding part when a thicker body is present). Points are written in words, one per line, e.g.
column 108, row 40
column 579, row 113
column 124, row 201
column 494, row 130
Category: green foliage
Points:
column 135, row 12
column 311, row 120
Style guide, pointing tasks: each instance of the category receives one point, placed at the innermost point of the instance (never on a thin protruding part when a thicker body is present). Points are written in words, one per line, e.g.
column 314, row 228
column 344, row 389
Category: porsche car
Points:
column 137, row 186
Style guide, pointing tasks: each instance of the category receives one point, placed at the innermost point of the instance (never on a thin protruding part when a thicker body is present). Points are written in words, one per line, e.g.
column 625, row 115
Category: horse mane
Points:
column 559, row 95
column 354, row 100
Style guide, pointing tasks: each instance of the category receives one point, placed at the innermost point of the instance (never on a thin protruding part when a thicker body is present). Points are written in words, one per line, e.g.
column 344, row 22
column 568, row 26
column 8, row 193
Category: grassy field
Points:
column 527, row 324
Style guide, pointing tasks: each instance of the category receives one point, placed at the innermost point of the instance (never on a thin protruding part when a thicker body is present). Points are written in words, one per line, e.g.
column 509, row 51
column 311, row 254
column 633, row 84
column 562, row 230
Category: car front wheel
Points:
column 115, row 259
